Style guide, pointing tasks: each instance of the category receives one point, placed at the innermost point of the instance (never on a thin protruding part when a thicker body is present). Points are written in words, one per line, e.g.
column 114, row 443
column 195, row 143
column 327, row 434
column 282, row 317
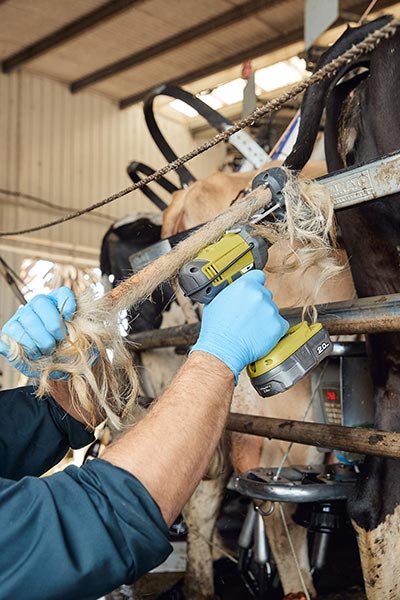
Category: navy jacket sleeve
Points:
column 35, row 434
column 77, row 534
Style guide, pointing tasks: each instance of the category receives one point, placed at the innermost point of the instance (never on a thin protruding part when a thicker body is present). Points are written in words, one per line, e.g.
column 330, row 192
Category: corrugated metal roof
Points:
column 146, row 24
column 23, row 22
column 134, row 30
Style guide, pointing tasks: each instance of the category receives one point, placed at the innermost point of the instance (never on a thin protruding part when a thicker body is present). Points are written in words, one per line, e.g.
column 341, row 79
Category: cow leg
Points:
column 280, row 547
column 251, row 451
column 292, row 403
column 200, row 514
column 375, row 506
column 379, row 553
column 246, row 449
column 375, row 516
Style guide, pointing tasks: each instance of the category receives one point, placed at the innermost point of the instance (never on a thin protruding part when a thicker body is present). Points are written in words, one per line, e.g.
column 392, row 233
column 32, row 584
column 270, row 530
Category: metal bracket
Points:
column 274, row 179
column 310, row 483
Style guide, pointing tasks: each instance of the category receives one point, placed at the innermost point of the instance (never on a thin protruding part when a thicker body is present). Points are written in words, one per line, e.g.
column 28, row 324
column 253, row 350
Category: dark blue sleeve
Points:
column 35, row 434
column 77, row 534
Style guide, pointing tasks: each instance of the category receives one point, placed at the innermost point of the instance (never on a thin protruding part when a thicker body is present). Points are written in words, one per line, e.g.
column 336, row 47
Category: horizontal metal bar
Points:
column 377, row 314
column 370, row 181
column 67, row 32
column 181, row 335
column 372, row 442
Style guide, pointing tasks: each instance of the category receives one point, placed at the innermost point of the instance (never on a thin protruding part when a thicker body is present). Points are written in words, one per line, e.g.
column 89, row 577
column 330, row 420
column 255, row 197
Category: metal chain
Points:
column 367, row 45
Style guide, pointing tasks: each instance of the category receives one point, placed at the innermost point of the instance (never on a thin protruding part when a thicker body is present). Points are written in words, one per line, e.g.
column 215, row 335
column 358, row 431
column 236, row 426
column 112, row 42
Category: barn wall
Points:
column 71, row 150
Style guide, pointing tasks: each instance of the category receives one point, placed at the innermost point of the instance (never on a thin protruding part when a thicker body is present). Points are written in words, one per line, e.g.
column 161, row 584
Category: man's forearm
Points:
column 169, row 450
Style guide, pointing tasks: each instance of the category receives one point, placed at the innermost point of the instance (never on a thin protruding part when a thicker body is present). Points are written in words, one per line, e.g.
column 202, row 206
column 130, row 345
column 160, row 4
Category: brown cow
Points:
column 199, row 203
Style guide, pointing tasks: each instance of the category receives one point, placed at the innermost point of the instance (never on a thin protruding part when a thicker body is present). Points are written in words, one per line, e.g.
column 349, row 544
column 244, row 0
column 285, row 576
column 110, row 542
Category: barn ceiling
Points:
column 122, row 48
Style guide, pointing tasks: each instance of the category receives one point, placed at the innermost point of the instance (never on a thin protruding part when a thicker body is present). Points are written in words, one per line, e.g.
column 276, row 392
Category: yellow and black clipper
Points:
column 219, row 264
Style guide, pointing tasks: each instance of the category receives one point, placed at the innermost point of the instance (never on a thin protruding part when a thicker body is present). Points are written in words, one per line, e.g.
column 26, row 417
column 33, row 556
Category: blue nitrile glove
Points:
column 38, row 327
column 242, row 323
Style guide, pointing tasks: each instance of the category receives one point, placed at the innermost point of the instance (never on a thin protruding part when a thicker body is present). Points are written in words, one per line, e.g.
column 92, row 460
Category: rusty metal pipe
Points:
column 349, row 439
column 377, row 314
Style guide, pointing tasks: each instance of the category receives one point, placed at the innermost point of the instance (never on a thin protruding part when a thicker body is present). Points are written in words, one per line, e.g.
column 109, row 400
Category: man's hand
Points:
column 38, row 326
column 242, row 323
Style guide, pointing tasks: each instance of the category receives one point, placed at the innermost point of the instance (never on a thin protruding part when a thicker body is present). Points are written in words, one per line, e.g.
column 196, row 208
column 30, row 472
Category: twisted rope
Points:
column 52, row 205
column 369, row 43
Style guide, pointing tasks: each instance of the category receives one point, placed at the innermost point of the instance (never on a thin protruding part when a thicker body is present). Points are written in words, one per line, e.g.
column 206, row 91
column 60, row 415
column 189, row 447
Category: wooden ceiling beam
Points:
column 247, row 54
column 238, row 13
column 220, row 65
column 67, row 32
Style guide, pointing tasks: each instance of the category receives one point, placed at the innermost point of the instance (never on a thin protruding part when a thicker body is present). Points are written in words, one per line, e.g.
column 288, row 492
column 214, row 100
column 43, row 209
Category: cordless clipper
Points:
column 238, row 251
